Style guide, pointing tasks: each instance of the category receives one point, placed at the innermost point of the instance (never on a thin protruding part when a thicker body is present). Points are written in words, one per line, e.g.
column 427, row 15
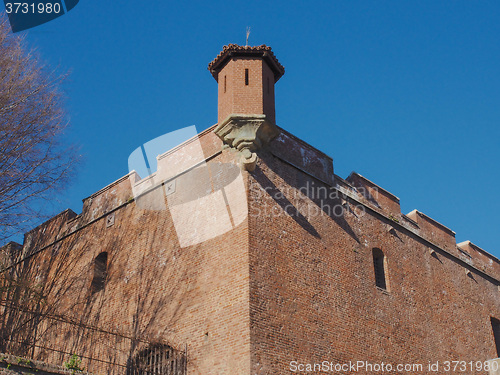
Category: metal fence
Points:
column 157, row 359
column 58, row 342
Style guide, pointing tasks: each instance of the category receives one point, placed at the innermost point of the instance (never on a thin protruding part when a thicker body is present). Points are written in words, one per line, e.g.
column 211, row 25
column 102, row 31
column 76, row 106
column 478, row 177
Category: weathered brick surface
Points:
column 479, row 258
column 375, row 195
column 279, row 269
column 303, row 156
column 195, row 296
column 312, row 287
column 434, row 231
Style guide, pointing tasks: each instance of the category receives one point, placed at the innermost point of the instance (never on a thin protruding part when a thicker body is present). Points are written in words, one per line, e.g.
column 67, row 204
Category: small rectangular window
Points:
column 225, row 82
column 495, row 325
column 246, row 77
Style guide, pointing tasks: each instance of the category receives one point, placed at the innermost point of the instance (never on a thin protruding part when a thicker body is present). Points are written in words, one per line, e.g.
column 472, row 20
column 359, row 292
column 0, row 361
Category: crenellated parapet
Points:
column 375, row 195
column 109, row 198
column 478, row 257
column 47, row 233
column 434, row 231
column 9, row 254
column 436, row 234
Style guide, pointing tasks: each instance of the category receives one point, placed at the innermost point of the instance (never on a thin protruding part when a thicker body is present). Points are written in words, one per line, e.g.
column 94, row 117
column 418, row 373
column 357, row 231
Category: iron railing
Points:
column 55, row 341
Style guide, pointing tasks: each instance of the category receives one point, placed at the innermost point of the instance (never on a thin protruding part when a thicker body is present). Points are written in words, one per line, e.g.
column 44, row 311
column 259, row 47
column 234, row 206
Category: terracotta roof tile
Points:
column 236, row 50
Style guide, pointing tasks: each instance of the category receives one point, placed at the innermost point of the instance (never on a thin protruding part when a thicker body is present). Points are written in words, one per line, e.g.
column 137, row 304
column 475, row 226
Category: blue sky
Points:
column 405, row 93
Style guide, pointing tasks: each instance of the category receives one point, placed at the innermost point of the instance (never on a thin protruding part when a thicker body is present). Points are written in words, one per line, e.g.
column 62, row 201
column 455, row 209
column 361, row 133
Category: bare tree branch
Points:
column 33, row 162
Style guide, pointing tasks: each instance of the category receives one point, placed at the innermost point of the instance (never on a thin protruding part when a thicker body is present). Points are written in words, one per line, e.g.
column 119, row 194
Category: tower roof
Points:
column 234, row 50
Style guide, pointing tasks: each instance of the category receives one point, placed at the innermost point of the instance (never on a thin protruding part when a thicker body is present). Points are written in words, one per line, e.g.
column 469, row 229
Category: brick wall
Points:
column 194, row 298
column 293, row 282
column 247, row 272
column 312, row 285
column 235, row 97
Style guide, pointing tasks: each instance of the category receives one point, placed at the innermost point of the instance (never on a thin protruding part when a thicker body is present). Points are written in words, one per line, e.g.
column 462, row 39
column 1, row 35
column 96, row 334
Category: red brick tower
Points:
column 246, row 119
column 246, row 77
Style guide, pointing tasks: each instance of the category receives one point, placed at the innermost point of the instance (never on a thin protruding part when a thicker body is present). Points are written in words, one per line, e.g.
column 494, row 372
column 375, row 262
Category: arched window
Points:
column 379, row 268
column 157, row 359
column 100, row 272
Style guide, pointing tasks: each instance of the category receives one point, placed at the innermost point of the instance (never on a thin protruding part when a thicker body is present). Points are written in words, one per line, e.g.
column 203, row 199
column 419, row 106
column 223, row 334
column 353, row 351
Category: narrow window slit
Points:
column 100, row 272
column 495, row 325
column 379, row 268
